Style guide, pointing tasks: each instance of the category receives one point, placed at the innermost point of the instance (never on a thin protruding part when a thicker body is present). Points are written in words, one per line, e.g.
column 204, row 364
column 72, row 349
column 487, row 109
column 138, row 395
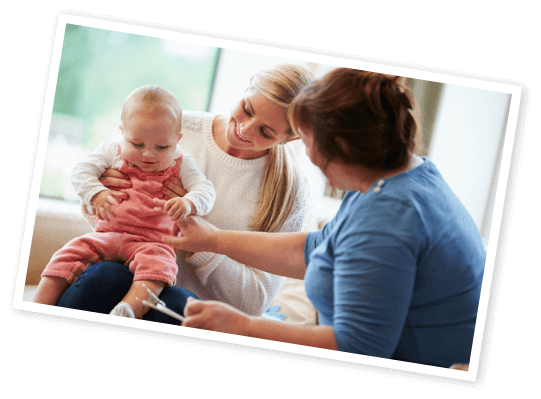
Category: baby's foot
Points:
column 123, row 309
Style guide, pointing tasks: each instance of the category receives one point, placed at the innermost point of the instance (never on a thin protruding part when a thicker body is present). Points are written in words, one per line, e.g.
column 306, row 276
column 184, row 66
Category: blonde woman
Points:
column 258, row 188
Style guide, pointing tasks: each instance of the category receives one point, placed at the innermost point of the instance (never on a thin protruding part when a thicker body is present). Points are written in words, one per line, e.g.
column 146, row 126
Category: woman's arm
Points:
column 216, row 316
column 279, row 253
column 276, row 253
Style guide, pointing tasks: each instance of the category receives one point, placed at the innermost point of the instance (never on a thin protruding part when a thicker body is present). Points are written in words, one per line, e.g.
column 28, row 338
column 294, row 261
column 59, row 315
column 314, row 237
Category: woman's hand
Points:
column 173, row 188
column 115, row 179
column 198, row 235
column 215, row 316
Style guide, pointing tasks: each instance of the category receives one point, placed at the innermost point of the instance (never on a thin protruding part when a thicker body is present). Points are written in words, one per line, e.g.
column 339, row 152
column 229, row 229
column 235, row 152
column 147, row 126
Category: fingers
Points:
column 107, row 206
column 160, row 204
column 194, row 314
column 119, row 195
column 173, row 241
column 193, row 306
column 174, row 188
column 173, row 207
column 111, row 200
column 114, row 173
column 114, row 178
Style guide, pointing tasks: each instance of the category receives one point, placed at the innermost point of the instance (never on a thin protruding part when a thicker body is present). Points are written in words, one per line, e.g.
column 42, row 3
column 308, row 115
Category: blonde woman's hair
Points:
column 281, row 179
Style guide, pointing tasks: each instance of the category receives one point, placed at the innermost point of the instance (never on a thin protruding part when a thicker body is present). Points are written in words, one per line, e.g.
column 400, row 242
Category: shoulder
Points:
column 187, row 159
column 302, row 199
column 384, row 215
column 110, row 143
column 108, row 147
column 300, row 208
column 196, row 120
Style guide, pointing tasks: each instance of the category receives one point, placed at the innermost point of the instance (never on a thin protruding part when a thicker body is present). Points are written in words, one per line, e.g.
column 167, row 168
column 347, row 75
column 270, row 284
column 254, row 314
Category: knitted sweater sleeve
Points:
column 246, row 288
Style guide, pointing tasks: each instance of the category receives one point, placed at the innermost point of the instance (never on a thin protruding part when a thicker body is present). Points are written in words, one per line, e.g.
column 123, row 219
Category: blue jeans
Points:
column 103, row 285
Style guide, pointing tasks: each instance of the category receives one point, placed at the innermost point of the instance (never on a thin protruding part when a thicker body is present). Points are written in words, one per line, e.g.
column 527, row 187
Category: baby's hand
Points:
column 178, row 208
column 102, row 203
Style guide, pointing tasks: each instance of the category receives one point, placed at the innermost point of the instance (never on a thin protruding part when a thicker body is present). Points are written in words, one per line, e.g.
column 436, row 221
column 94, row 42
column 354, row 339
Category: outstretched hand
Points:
column 198, row 235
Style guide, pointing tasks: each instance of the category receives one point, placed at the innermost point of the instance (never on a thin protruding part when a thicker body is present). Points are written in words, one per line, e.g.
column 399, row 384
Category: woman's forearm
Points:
column 218, row 316
column 276, row 253
column 315, row 336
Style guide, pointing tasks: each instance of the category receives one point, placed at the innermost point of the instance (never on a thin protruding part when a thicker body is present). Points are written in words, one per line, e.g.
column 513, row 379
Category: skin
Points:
column 253, row 126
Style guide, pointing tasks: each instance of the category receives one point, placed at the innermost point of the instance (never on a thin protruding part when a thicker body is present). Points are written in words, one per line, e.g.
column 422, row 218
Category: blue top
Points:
column 398, row 271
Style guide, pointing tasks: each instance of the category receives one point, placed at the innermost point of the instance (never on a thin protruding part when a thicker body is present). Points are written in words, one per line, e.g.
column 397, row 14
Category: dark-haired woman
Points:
column 397, row 273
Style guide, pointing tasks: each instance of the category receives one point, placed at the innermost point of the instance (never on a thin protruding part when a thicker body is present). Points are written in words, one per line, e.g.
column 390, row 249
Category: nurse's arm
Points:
column 276, row 253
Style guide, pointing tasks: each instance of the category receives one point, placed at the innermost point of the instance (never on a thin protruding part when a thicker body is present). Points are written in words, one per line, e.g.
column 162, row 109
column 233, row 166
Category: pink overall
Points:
column 132, row 237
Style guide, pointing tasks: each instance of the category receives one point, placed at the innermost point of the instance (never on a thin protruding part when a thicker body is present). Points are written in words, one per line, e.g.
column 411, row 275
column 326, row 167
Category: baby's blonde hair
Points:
column 281, row 179
column 153, row 100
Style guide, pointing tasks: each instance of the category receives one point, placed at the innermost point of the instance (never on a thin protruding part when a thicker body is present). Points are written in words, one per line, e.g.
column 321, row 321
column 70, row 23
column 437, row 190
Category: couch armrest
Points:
column 57, row 222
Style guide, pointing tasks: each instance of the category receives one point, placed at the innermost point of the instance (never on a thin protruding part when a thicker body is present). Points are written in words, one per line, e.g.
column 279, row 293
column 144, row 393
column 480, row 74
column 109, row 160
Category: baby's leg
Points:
column 136, row 295
column 50, row 289
column 152, row 264
column 66, row 266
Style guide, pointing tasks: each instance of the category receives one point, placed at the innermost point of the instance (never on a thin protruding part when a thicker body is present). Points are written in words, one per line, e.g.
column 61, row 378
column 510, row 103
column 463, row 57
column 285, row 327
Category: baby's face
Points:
column 149, row 142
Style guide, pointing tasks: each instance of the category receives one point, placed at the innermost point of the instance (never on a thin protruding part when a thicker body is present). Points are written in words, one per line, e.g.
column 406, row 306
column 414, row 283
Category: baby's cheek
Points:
column 127, row 154
column 168, row 159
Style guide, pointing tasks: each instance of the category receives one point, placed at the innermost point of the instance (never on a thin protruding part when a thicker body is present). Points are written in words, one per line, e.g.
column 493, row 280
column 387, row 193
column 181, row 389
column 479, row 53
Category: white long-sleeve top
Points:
column 237, row 183
column 85, row 176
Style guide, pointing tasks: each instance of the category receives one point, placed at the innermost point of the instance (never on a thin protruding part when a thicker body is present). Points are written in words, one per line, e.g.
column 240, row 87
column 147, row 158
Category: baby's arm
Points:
column 85, row 176
column 200, row 191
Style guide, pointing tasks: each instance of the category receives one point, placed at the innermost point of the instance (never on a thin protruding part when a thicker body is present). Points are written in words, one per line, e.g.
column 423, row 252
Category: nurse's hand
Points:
column 197, row 235
column 215, row 316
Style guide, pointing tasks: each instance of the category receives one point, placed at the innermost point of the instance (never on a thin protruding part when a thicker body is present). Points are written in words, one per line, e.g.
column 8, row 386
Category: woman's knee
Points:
column 99, row 288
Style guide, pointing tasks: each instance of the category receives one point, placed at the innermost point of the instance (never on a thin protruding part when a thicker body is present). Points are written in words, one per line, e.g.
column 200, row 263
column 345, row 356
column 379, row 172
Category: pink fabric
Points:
column 146, row 260
column 132, row 237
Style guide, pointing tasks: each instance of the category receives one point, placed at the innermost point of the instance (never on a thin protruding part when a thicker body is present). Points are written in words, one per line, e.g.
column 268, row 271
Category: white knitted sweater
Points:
column 237, row 183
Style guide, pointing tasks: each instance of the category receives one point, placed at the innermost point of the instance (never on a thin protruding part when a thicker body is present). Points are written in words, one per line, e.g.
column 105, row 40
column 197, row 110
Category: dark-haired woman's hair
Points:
column 359, row 118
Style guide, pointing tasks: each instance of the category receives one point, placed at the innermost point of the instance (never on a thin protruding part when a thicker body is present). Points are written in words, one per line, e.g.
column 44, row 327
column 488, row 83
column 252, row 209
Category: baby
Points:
column 130, row 231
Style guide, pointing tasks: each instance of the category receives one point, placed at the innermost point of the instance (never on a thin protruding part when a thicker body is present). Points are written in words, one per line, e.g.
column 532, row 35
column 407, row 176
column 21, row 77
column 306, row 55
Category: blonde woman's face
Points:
column 256, row 124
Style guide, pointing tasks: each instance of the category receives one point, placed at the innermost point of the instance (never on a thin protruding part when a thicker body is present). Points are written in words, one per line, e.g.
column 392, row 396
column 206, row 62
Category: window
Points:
column 98, row 69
